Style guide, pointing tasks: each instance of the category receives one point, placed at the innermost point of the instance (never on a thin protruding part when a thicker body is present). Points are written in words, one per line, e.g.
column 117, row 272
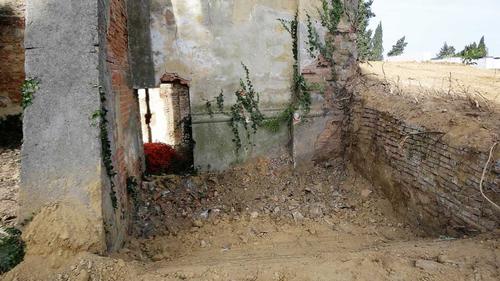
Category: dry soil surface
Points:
column 10, row 164
column 429, row 78
column 461, row 101
column 267, row 222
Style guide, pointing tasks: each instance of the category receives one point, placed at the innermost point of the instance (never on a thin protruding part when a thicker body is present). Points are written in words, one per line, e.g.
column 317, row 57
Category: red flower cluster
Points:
column 159, row 158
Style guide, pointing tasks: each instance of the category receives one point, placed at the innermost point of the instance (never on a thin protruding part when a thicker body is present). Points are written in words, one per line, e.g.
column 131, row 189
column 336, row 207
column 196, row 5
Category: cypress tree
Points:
column 399, row 48
column 446, row 51
column 481, row 48
column 364, row 34
column 378, row 44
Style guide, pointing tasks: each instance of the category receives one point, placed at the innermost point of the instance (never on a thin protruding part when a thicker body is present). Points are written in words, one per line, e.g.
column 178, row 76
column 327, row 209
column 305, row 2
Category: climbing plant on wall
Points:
column 330, row 14
column 28, row 89
column 99, row 118
column 244, row 113
column 301, row 90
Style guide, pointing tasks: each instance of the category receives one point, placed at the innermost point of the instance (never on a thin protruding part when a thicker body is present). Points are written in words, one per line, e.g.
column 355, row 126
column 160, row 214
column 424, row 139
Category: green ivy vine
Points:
column 28, row 89
column 301, row 90
column 330, row 14
column 99, row 117
column 244, row 113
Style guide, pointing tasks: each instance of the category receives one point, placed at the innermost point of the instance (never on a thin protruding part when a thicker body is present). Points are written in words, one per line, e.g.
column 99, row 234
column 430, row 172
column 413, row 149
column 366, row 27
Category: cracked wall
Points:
column 205, row 42
column 80, row 53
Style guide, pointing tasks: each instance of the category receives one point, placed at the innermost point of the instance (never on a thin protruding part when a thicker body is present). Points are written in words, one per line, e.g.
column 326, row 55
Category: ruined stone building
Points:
column 97, row 59
column 97, row 56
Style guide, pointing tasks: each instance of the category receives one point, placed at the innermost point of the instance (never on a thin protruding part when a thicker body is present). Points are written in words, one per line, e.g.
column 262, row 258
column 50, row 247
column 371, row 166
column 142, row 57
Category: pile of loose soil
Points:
column 263, row 188
column 301, row 252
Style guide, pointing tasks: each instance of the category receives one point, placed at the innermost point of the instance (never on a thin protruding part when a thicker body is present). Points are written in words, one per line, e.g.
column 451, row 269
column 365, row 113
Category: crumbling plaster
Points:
column 205, row 42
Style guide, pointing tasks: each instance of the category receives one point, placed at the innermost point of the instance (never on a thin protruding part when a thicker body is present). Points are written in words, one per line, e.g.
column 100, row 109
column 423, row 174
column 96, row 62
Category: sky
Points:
column 427, row 24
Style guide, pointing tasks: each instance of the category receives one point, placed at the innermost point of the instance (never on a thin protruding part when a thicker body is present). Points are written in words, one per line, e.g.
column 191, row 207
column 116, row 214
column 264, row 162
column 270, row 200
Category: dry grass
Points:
column 450, row 82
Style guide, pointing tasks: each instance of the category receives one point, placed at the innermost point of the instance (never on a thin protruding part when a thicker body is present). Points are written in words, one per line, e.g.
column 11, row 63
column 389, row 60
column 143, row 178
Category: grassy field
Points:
column 437, row 78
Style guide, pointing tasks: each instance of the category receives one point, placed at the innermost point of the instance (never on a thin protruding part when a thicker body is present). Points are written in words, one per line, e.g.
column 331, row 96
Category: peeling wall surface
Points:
column 205, row 42
column 61, row 154
column 80, row 52
column 11, row 55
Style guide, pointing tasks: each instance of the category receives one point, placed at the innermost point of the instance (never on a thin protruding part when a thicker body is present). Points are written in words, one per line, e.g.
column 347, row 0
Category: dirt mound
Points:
column 65, row 229
column 261, row 249
column 262, row 188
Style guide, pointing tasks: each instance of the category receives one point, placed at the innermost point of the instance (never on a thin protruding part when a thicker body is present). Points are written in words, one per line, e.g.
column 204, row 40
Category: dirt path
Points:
column 315, row 251
column 261, row 249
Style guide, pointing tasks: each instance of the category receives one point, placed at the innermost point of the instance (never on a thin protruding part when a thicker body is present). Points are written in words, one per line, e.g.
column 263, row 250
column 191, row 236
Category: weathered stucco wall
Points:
column 206, row 42
column 64, row 175
column 61, row 156
column 11, row 56
column 139, row 41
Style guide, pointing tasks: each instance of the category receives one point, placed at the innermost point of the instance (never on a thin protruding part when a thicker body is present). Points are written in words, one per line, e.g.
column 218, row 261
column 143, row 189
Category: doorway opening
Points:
column 166, row 119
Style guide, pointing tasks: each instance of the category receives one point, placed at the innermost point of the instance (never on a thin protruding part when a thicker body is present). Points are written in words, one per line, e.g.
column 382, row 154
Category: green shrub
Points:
column 11, row 249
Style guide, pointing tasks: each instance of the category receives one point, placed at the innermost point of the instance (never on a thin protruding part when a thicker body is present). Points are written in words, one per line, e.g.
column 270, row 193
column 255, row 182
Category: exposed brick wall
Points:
column 435, row 184
column 127, row 137
column 11, row 53
column 177, row 101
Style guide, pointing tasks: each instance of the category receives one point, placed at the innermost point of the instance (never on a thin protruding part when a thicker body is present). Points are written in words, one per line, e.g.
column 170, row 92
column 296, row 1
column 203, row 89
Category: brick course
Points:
column 435, row 184
column 127, row 137
column 12, row 75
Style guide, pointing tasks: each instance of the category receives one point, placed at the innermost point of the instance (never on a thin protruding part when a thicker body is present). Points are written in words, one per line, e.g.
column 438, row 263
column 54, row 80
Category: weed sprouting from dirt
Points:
column 11, row 248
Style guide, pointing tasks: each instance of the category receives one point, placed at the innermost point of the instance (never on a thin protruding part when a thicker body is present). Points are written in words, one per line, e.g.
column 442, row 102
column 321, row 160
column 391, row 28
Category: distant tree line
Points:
column 471, row 51
column 371, row 44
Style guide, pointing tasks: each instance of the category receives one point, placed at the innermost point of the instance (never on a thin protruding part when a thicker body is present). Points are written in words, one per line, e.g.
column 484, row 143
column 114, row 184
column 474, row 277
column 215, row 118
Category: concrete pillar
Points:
column 78, row 49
